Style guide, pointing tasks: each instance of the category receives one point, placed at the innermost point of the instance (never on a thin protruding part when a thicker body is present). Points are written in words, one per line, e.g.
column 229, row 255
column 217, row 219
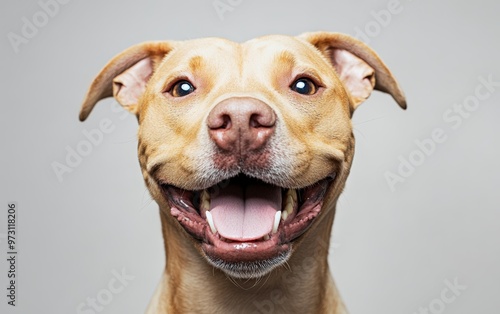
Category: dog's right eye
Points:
column 182, row 88
column 304, row 86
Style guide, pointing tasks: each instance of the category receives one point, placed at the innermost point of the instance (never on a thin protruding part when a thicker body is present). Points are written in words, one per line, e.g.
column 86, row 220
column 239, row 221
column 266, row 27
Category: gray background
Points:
column 392, row 251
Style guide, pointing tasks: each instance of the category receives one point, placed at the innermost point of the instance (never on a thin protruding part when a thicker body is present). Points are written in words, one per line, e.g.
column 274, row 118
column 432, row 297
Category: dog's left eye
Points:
column 304, row 86
column 182, row 88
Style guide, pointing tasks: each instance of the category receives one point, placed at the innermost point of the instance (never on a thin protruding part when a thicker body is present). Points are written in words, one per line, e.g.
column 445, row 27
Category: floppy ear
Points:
column 125, row 76
column 357, row 65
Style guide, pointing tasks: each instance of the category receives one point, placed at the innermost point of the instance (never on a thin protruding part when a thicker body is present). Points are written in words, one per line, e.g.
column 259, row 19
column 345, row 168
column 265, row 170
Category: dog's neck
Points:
column 191, row 285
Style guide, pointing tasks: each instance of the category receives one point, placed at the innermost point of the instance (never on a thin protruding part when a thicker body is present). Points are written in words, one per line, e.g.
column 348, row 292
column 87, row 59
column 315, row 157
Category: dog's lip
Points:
column 235, row 252
column 194, row 222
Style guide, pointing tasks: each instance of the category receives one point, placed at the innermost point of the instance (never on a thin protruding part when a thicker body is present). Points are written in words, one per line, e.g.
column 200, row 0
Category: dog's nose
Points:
column 241, row 123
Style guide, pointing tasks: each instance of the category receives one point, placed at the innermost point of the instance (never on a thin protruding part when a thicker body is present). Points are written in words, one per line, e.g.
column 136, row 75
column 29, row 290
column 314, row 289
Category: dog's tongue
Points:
column 245, row 213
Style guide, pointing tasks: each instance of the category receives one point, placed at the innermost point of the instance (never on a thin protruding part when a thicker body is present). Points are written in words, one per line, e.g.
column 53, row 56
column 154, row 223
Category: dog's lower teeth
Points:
column 266, row 237
column 210, row 221
column 277, row 218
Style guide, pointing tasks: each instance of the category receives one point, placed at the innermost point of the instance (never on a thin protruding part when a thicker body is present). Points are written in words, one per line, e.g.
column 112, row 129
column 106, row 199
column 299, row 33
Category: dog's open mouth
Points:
column 245, row 220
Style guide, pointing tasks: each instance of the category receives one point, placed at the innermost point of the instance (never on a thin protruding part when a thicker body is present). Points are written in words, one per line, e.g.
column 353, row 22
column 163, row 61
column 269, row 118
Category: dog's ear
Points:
column 357, row 65
column 125, row 76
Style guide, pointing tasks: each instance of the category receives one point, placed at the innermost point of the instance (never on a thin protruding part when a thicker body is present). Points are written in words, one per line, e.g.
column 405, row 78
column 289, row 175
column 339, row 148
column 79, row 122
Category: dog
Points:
column 246, row 148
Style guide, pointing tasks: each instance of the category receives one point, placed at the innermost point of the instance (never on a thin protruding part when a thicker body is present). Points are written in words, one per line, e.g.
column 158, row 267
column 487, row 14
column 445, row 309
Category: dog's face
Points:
column 245, row 145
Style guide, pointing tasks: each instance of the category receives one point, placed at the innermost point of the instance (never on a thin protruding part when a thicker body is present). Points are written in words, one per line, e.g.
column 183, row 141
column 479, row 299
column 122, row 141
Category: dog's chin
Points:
column 244, row 226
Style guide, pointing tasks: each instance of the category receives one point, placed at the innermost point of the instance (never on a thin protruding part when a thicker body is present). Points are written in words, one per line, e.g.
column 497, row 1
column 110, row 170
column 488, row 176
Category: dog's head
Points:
column 244, row 145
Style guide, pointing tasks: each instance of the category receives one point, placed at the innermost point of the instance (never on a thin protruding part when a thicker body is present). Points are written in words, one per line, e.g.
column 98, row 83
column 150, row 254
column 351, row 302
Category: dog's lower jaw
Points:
column 191, row 285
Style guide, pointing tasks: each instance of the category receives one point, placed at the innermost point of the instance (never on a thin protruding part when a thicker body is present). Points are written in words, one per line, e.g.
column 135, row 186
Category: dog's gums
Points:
column 246, row 226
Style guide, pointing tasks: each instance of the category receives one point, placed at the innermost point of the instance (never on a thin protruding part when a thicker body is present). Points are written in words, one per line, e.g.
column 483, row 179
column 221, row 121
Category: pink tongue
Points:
column 245, row 215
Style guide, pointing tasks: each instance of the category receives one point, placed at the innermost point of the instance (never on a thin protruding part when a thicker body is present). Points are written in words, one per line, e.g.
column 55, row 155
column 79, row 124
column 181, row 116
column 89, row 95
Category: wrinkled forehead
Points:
column 256, row 55
column 285, row 49
column 197, row 54
column 284, row 55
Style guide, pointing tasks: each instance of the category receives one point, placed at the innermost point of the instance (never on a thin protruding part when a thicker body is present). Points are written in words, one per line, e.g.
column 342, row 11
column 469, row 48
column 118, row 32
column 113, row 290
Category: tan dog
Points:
column 246, row 149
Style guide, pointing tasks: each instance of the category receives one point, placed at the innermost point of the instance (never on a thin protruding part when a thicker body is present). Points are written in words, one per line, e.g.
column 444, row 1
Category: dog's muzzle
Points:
column 245, row 223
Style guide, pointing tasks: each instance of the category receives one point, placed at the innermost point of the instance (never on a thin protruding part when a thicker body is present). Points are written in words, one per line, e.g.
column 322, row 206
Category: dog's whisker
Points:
column 265, row 281
column 256, row 282
column 148, row 202
column 132, row 139
column 287, row 266
column 359, row 131
column 370, row 120
column 147, row 205
column 234, row 282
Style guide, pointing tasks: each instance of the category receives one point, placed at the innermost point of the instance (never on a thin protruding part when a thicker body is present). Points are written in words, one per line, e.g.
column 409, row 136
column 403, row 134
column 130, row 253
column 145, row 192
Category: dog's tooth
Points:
column 293, row 194
column 289, row 207
column 291, row 199
column 277, row 218
column 205, row 200
column 284, row 215
column 266, row 237
column 210, row 221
